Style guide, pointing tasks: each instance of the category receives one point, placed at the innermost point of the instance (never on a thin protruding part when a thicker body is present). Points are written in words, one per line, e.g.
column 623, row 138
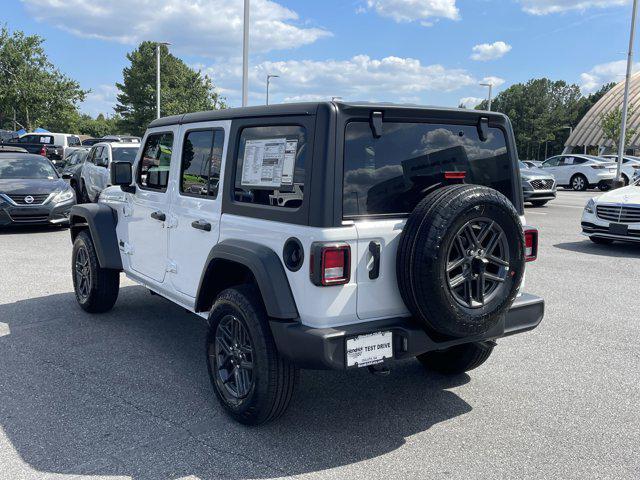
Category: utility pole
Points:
column 625, row 101
column 245, row 55
column 490, row 85
column 269, row 77
column 158, row 48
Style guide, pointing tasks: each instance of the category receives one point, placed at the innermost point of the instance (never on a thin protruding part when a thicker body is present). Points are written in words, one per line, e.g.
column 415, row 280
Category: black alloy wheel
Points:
column 478, row 263
column 232, row 356
column 83, row 273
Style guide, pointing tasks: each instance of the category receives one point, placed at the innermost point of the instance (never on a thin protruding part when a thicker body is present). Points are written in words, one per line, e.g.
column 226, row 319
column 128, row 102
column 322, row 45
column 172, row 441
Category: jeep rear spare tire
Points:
column 461, row 260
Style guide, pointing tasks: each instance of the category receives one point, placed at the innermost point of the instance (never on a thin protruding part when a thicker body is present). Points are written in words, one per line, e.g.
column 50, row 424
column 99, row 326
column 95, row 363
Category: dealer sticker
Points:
column 370, row 349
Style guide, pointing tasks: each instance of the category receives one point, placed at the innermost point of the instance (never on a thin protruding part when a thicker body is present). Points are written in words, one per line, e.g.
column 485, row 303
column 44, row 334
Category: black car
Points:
column 73, row 167
column 32, row 192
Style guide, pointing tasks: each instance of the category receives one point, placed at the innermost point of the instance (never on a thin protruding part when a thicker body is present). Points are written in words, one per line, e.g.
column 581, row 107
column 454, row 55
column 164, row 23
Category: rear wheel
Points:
column 458, row 359
column 579, row 182
column 96, row 288
column 84, row 194
column 252, row 381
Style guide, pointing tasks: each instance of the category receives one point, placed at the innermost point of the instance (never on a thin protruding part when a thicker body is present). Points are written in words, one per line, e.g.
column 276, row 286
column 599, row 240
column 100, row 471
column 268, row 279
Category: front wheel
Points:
column 253, row 383
column 96, row 288
column 458, row 359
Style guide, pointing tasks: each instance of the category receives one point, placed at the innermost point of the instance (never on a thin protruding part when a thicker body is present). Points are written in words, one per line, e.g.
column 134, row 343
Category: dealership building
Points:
column 588, row 135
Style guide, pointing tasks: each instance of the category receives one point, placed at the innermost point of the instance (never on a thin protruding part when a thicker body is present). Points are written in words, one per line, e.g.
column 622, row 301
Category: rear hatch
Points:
column 385, row 177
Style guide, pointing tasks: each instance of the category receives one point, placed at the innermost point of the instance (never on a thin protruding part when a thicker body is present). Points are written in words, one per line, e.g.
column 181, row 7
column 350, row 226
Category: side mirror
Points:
column 122, row 174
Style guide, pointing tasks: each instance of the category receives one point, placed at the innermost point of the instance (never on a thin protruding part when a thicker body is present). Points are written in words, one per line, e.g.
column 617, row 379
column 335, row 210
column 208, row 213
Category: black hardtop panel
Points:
column 311, row 108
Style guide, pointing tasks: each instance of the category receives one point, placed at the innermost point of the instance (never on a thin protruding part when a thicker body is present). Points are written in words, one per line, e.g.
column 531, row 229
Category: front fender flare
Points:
column 267, row 269
column 101, row 222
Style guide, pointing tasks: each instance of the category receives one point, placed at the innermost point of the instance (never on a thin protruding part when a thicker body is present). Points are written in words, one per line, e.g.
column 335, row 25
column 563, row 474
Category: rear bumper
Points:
column 324, row 348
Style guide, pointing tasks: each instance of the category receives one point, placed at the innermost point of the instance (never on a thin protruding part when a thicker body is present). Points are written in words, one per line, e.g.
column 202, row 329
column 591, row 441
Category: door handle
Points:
column 159, row 216
column 374, row 250
column 201, row 225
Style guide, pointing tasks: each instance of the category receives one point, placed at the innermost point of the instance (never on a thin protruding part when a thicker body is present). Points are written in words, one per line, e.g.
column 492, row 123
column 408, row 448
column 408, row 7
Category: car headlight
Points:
column 590, row 207
column 64, row 195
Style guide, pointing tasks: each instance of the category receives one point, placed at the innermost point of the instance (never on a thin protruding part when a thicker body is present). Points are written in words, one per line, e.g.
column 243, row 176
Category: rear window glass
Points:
column 271, row 166
column 391, row 174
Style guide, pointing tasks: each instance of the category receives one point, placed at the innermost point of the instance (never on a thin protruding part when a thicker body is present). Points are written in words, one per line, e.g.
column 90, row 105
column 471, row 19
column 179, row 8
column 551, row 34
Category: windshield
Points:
column 126, row 154
column 523, row 166
column 32, row 167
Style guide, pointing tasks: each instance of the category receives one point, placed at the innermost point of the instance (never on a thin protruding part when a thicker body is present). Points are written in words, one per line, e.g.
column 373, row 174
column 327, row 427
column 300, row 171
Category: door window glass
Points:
column 201, row 161
column 153, row 169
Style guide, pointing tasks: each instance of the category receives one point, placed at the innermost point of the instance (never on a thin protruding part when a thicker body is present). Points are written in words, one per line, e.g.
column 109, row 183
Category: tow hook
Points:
column 380, row 369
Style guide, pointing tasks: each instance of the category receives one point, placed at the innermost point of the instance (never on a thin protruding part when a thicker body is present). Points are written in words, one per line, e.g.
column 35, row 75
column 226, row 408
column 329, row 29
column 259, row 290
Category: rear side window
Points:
column 391, row 174
column 153, row 169
column 124, row 154
column 74, row 141
column 201, row 160
column 271, row 166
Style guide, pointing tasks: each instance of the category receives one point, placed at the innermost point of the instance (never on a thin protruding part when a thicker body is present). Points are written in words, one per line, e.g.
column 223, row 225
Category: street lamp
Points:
column 625, row 101
column 245, row 55
column 490, row 85
column 269, row 77
column 158, row 46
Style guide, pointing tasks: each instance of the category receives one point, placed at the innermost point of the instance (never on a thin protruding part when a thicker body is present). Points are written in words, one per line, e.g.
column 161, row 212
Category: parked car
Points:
column 532, row 163
column 538, row 186
column 580, row 172
column 73, row 168
column 630, row 166
column 613, row 216
column 50, row 145
column 95, row 172
column 8, row 136
column 385, row 254
column 32, row 192
column 121, row 138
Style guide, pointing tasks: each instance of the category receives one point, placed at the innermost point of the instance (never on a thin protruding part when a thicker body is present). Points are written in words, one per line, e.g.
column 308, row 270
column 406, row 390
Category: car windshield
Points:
column 31, row 167
column 126, row 154
column 523, row 165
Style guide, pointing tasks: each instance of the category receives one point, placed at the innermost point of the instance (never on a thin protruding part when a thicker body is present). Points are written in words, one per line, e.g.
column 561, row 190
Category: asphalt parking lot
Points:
column 126, row 394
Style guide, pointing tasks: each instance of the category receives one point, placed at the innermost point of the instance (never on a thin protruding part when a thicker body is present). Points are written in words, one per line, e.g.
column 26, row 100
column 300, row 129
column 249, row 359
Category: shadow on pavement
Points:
column 127, row 394
column 616, row 249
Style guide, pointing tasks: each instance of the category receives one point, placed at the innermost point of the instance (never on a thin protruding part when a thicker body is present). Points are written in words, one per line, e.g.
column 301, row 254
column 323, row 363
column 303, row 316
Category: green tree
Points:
column 31, row 86
column 540, row 111
column 611, row 121
column 183, row 89
column 100, row 126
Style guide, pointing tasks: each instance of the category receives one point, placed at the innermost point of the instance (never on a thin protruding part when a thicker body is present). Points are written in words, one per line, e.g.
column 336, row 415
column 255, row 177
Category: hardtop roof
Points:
column 308, row 108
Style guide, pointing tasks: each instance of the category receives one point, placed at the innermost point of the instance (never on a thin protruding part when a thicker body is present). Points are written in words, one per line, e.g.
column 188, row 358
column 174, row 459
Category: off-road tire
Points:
column 104, row 283
column 577, row 185
column 273, row 377
column 458, row 359
column 423, row 256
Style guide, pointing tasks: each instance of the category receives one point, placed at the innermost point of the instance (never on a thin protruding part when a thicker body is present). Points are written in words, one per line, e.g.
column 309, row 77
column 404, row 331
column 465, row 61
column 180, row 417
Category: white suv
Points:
column 95, row 174
column 319, row 235
column 581, row 172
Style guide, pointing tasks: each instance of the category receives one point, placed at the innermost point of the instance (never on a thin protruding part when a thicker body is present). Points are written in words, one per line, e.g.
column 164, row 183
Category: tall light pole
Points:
column 269, row 77
column 490, row 85
column 245, row 55
column 625, row 101
column 158, row 48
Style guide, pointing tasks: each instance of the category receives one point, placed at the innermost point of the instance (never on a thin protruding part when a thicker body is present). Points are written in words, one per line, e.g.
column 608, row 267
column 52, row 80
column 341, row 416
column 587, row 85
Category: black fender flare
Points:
column 101, row 221
column 266, row 267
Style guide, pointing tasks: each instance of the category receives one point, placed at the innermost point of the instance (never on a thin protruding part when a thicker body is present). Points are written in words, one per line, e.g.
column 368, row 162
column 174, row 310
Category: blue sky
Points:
column 424, row 51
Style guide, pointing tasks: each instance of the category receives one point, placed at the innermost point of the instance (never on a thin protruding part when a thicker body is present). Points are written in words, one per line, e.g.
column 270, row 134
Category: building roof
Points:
column 589, row 132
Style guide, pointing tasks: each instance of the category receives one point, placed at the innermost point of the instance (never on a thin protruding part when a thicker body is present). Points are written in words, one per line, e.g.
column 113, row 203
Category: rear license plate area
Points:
column 369, row 349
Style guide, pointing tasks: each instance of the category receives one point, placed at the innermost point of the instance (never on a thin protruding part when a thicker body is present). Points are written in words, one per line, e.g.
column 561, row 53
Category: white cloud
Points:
column 495, row 81
column 490, row 51
column 545, row 7
column 604, row 73
column 423, row 11
column 471, row 102
column 205, row 27
column 100, row 100
column 358, row 78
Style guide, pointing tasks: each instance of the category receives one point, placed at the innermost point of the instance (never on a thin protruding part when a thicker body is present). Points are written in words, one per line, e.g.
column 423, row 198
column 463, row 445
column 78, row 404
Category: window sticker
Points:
column 268, row 163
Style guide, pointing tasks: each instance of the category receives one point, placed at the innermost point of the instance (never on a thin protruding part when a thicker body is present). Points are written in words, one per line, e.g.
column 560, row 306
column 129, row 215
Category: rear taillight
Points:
column 43, row 151
column 330, row 264
column 455, row 175
column 530, row 244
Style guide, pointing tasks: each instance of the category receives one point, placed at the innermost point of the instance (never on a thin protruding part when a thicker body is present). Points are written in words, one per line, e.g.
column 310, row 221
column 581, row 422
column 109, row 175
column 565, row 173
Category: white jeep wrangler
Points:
column 319, row 235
